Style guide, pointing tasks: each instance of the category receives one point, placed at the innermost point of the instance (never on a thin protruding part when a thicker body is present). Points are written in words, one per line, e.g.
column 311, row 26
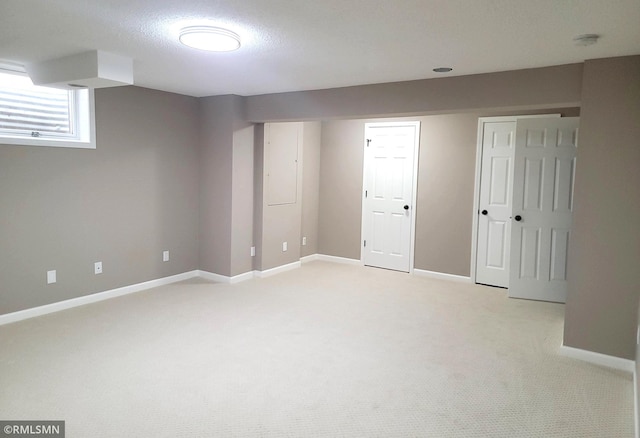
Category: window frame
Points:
column 82, row 120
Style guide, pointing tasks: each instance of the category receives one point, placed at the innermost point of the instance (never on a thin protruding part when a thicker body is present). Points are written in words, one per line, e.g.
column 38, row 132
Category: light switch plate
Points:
column 51, row 277
column 165, row 256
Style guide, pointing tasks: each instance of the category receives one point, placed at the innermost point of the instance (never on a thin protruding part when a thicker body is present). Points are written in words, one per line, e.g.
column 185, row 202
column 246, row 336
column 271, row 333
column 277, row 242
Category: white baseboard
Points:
column 604, row 360
column 33, row 312
column 278, row 270
column 442, row 276
column 242, row 277
column 93, row 298
column 214, row 277
column 225, row 279
column 309, row 258
column 335, row 259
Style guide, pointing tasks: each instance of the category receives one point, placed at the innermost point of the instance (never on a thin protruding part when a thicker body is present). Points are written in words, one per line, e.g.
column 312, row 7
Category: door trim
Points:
column 414, row 189
column 476, row 186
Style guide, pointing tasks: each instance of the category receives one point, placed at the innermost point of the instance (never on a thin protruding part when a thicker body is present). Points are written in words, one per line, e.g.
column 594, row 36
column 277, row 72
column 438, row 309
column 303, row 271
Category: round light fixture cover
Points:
column 209, row 38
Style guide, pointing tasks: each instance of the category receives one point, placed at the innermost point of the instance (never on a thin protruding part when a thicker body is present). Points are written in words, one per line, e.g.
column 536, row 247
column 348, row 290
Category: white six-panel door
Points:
column 388, row 209
column 544, row 170
column 494, row 228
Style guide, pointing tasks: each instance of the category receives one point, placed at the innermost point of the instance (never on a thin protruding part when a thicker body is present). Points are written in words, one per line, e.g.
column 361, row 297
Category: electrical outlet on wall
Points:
column 304, row 241
column 97, row 268
column 165, row 256
column 253, row 251
column 51, row 277
column 284, row 246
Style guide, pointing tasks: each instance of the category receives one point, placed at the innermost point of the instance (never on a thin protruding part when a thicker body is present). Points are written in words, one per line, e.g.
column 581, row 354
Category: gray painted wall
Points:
column 217, row 116
column 275, row 224
column 340, row 203
column 604, row 258
column 446, row 176
column 226, row 180
column 242, row 201
column 311, row 144
column 122, row 203
column 258, row 193
column 549, row 87
column 281, row 223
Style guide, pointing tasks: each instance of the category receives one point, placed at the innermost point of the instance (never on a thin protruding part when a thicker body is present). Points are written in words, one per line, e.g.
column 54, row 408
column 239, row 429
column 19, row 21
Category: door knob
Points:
column 518, row 218
column 406, row 207
column 485, row 212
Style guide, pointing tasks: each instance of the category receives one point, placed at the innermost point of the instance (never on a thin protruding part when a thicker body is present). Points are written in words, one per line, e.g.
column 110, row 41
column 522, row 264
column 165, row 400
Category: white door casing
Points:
column 388, row 213
column 544, row 171
column 494, row 208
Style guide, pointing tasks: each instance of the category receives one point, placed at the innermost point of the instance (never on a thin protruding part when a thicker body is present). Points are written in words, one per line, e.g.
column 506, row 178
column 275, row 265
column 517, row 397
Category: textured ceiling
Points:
column 291, row 45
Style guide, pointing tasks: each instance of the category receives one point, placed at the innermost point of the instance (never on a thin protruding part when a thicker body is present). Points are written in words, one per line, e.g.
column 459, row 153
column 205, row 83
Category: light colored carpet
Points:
column 327, row 350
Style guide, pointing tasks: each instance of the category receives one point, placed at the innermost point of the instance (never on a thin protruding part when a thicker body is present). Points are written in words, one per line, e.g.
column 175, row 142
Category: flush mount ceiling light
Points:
column 588, row 39
column 209, row 38
column 442, row 69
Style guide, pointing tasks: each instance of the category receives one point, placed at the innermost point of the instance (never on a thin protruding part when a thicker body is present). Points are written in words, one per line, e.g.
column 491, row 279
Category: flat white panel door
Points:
column 390, row 150
column 494, row 227
column 544, row 170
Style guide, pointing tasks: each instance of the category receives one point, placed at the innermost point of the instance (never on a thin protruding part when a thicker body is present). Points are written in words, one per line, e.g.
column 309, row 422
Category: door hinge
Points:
column 365, row 243
column 366, row 193
column 368, row 141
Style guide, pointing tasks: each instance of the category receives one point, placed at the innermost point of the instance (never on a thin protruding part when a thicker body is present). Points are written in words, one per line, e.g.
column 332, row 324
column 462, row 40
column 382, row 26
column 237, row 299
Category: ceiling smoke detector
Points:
column 587, row 39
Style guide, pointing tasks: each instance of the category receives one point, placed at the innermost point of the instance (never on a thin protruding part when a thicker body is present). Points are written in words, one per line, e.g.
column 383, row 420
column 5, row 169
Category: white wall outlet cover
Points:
column 304, row 241
column 165, row 256
column 97, row 268
column 284, row 246
column 253, row 251
column 51, row 277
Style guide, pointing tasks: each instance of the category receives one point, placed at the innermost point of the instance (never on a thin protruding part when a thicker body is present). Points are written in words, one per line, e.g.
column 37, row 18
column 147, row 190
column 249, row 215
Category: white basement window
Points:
column 44, row 116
